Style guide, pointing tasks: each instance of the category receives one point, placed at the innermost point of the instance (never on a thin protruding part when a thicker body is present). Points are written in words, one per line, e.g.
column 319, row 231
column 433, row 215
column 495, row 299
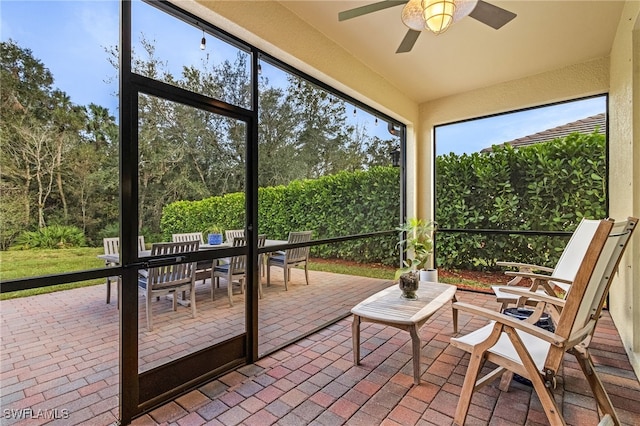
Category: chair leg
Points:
column 505, row 381
column 230, row 289
column 306, row 273
column 268, row 274
column 149, row 319
column 118, row 291
column 475, row 364
column 547, row 400
column 213, row 281
column 545, row 394
column 454, row 314
column 286, row 277
column 476, row 361
column 600, row 394
column 192, row 297
column 217, row 282
column 108, row 290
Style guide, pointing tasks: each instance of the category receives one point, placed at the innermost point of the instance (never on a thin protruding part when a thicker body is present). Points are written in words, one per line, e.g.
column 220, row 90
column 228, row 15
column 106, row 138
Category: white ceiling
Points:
column 545, row 35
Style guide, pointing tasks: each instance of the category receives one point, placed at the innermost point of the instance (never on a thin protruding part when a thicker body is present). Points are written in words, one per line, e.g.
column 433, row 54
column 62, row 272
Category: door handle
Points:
column 165, row 261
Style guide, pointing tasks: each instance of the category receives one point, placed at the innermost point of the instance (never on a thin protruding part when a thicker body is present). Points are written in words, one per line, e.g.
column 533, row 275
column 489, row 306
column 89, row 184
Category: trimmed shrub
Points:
column 544, row 187
column 347, row 203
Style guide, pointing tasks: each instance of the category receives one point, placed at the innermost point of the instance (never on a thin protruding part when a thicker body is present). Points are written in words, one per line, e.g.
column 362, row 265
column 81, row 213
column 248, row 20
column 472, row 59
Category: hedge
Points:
column 347, row 203
column 544, row 187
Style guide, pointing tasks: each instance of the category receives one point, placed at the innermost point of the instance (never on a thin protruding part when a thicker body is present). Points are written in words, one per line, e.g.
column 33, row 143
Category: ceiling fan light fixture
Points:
column 412, row 15
column 438, row 14
column 463, row 8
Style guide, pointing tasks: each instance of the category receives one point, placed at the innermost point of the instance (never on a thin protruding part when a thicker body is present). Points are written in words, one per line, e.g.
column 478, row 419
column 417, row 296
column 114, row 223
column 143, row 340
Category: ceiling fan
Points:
column 434, row 15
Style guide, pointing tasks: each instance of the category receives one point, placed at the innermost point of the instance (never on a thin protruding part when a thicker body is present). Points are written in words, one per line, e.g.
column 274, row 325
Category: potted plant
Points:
column 214, row 235
column 418, row 247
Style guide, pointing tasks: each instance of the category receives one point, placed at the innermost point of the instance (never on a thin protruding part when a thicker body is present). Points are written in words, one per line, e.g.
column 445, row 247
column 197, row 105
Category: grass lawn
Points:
column 30, row 263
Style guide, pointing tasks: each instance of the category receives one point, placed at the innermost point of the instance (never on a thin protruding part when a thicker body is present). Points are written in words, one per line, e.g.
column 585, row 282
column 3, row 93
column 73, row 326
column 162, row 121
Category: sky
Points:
column 473, row 136
column 72, row 39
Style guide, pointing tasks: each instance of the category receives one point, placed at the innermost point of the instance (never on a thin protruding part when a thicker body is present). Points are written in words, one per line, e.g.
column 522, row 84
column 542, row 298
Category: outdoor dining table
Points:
column 115, row 257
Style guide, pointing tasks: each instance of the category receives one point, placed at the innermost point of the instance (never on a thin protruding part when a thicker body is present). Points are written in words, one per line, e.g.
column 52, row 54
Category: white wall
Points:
column 567, row 83
column 624, row 183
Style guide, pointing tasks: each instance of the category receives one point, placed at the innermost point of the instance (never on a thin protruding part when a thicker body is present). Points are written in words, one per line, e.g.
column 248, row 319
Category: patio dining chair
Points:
column 230, row 234
column 290, row 258
column 556, row 281
column 169, row 279
column 204, row 268
column 232, row 271
column 112, row 246
column 537, row 354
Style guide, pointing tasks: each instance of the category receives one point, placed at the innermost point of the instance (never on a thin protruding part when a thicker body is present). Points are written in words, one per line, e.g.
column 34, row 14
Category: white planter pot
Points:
column 430, row 275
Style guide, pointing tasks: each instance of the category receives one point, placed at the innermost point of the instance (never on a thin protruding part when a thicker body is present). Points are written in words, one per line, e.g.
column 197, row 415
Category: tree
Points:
column 92, row 174
column 44, row 161
column 29, row 107
column 278, row 162
column 26, row 84
column 323, row 132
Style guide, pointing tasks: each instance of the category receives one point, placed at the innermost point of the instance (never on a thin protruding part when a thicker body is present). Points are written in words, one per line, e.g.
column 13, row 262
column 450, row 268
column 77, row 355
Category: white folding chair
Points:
column 559, row 279
column 522, row 348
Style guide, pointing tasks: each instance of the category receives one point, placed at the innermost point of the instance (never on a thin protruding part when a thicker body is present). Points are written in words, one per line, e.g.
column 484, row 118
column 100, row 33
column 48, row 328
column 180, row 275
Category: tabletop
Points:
column 389, row 306
column 115, row 257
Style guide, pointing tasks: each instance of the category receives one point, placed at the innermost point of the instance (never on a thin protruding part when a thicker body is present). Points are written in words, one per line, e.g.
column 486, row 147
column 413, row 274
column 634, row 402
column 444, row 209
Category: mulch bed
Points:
column 488, row 278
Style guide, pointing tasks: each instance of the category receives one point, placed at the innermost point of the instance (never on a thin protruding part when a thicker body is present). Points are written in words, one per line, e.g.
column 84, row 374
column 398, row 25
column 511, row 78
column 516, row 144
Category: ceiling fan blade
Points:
column 493, row 16
column 373, row 7
column 408, row 41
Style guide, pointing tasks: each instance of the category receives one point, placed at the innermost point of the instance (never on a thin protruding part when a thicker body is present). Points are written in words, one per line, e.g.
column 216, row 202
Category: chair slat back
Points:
column 262, row 240
column 112, row 245
column 574, row 252
column 161, row 277
column 190, row 236
column 230, row 234
column 237, row 264
column 298, row 253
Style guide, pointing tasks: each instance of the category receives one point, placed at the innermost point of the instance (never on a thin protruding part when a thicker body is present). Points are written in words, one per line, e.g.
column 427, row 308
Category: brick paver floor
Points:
column 67, row 362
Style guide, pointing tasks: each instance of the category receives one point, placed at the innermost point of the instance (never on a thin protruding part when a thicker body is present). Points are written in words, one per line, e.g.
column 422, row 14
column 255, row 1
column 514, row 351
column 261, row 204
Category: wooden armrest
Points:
column 532, row 329
column 538, row 277
column 526, row 266
column 534, row 295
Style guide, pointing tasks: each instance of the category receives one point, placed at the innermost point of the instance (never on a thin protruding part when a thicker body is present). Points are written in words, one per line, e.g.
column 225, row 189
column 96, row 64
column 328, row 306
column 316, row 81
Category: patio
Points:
column 59, row 355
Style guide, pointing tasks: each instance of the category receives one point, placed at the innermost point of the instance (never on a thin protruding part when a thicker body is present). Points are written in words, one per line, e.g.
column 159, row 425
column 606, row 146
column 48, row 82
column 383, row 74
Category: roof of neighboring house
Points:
column 585, row 125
